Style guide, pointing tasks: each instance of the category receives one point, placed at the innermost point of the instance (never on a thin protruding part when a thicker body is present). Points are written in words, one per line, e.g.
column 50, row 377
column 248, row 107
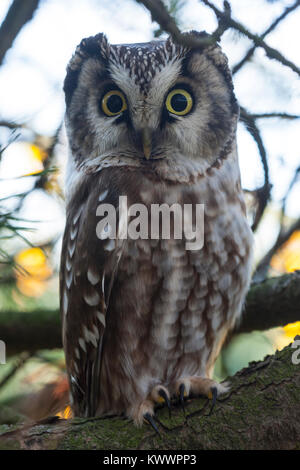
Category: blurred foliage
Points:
column 34, row 272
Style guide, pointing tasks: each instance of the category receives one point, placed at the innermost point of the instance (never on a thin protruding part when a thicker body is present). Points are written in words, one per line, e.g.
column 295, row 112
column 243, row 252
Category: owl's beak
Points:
column 147, row 142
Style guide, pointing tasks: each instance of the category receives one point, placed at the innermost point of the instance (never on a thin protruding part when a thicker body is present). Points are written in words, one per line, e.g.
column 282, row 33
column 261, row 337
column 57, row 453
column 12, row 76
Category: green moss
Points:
column 113, row 433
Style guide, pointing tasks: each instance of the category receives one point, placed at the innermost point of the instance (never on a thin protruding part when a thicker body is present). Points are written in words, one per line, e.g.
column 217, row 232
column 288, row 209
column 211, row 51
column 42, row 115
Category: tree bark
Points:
column 18, row 14
column 261, row 411
column 271, row 303
column 30, row 331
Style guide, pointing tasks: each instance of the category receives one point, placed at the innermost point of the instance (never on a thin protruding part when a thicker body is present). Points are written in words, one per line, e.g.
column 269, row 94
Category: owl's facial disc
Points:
column 148, row 101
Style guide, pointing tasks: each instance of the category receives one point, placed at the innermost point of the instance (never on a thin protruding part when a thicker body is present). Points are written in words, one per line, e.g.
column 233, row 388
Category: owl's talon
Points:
column 197, row 386
column 164, row 395
column 149, row 418
column 213, row 397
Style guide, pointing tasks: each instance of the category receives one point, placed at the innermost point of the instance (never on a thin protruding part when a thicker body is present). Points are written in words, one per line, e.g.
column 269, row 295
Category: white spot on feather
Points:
column 68, row 264
column 65, row 302
column 103, row 281
column 89, row 336
column 103, row 195
column 69, row 278
column 92, row 299
column 77, row 353
column 93, row 277
column 71, row 248
column 101, row 318
column 73, row 232
column 110, row 245
column 82, row 344
column 105, row 232
column 77, row 215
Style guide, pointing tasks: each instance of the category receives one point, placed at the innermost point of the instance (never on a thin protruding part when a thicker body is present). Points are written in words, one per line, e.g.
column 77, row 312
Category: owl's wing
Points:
column 88, row 269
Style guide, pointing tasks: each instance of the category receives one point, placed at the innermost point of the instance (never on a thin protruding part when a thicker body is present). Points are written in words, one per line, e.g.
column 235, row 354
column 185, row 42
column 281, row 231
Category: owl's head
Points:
column 148, row 101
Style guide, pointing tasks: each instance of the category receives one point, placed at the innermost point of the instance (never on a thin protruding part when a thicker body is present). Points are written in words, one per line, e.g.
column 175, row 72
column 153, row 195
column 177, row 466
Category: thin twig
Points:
column 263, row 193
column 258, row 41
column 275, row 115
column 295, row 179
column 275, row 23
column 160, row 15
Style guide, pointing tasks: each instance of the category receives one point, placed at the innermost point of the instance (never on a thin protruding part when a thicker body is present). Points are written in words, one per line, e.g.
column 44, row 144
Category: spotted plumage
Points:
column 144, row 319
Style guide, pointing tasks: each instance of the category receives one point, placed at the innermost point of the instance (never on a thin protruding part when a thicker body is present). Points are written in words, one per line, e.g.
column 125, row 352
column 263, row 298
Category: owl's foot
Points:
column 196, row 385
column 145, row 410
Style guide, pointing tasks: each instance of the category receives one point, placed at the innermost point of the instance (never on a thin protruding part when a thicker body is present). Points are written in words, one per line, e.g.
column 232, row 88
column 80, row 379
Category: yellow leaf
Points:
column 38, row 153
column 287, row 259
column 292, row 329
column 35, row 271
column 66, row 413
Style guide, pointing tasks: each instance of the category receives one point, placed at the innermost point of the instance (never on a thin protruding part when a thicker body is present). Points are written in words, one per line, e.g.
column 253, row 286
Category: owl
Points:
column 144, row 318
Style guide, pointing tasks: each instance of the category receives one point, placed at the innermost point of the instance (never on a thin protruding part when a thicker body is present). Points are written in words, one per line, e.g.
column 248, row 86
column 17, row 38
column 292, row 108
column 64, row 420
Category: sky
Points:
column 32, row 76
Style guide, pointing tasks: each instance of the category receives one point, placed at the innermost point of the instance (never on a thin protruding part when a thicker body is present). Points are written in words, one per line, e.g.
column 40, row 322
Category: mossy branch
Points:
column 261, row 411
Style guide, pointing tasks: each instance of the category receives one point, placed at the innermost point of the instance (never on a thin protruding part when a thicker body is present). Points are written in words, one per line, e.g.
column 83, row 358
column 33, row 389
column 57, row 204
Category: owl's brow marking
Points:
column 143, row 61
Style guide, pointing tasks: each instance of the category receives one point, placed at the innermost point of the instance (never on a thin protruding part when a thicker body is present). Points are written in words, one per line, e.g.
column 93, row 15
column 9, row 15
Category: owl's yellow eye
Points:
column 113, row 103
column 179, row 102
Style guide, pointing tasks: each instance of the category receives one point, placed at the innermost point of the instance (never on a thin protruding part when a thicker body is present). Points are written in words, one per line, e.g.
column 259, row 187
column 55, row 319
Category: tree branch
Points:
column 160, row 15
column 272, row 303
column 263, row 193
column 258, row 41
column 30, row 330
column 275, row 23
column 275, row 115
column 261, row 411
column 18, row 14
